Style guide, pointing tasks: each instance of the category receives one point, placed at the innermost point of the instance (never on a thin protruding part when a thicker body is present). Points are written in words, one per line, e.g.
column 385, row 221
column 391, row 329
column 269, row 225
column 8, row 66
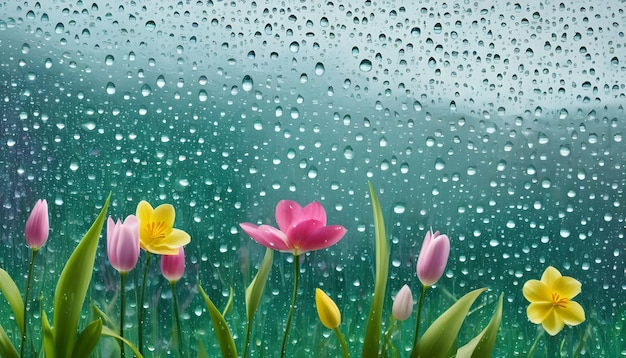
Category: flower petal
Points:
column 553, row 323
column 537, row 291
column 166, row 214
column 573, row 315
column 311, row 235
column 177, row 238
column 566, row 286
column 288, row 213
column 549, row 276
column 267, row 236
column 314, row 211
column 537, row 312
column 144, row 211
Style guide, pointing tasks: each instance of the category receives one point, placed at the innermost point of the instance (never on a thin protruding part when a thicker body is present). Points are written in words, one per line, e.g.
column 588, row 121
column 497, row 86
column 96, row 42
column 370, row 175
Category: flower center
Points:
column 559, row 301
column 157, row 229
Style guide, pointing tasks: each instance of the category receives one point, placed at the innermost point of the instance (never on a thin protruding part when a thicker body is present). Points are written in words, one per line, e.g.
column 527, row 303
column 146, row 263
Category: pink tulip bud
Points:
column 173, row 266
column 433, row 257
column 123, row 243
column 37, row 226
column 403, row 304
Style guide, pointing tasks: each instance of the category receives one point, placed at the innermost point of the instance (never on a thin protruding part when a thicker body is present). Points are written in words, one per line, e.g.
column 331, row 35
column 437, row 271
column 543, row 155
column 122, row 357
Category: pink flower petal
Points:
column 314, row 211
column 311, row 235
column 267, row 236
column 288, row 213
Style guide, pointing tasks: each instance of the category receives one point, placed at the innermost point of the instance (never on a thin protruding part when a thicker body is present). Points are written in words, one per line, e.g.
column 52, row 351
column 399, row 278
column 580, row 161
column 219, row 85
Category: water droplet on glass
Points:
column 150, row 25
column 203, row 96
column 294, row 47
column 399, row 208
column 160, row 81
column 59, row 28
column 365, row 65
column 319, row 69
column 247, row 83
column 348, row 152
column 440, row 164
column 110, row 88
column 109, row 60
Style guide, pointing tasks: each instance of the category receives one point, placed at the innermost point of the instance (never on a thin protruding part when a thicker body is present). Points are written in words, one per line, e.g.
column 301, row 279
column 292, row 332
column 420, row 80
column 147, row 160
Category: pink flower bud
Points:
column 403, row 304
column 173, row 266
column 123, row 243
column 37, row 226
column 433, row 257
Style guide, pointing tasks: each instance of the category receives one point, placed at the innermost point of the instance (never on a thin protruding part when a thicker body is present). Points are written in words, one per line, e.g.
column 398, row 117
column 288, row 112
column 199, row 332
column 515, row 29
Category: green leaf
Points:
column 254, row 292
column 229, row 304
column 48, row 337
column 201, row 350
column 374, row 320
column 88, row 339
column 482, row 345
column 12, row 293
column 222, row 332
column 106, row 331
column 96, row 311
column 72, row 287
column 6, row 347
column 440, row 336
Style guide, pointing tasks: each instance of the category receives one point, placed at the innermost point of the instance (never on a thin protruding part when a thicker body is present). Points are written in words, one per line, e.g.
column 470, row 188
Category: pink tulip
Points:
column 123, row 243
column 37, row 225
column 432, row 259
column 173, row 266
column 299, row 229
column 403, row 304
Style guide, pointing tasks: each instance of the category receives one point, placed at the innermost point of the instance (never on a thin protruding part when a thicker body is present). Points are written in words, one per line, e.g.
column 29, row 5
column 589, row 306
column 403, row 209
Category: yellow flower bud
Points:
column 327, row 310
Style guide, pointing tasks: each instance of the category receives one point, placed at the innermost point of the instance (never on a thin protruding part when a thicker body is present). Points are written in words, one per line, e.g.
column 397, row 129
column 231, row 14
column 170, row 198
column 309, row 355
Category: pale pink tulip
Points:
column 403, row 304
column 123, row 243
column 432, row 258
column 299, row 229
column 173, row 266
column 37, row 225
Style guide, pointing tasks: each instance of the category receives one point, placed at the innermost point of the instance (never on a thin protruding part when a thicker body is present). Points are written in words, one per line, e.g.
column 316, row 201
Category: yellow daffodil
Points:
column 156, row 232
column 327, row 310
column 550, row 301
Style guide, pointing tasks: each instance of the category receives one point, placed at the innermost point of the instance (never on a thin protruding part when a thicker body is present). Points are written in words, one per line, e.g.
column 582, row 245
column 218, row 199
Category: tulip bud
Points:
column 432, row 258
column 327, row 310
column 37, row 226
column 123, row 243
column 403, row 304
column 173, row 266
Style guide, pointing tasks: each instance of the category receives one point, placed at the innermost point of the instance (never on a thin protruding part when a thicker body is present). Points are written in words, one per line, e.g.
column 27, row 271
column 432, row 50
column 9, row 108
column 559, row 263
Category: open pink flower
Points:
column 123, row 243
column 37, row 225
column 299, row 229
column 173, row 266
column 433, row 257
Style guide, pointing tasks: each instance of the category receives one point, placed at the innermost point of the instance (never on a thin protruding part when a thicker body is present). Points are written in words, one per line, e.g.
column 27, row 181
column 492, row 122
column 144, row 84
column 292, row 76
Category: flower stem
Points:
column 179, row 337
column 342, row 341
column 246, row 340
column 420, row 302
column 531, row 352
column 296, row 271
column 140, row 317
column 122, row 311
column 28, row 281
column 387, row 340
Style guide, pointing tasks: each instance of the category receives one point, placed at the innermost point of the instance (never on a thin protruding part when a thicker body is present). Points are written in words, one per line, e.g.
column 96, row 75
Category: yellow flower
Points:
column 550, row 301
column 327, row 310
column 156, row 232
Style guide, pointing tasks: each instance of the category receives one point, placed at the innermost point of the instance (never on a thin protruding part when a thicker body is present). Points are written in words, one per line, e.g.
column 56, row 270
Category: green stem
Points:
column 246, row 340
column 296, row 271
column 342, row 341
column 387, row 340
column 28, row 282
column 122, row 311
column 554, row 348
column 179, row 337
column 140, row 318
column 531, row 352
column 419, row 314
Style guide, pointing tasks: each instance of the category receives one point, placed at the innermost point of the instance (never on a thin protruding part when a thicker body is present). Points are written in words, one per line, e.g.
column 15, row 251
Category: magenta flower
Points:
column 433, row 258
column 173, row 266
column 403, row 304
column 37, row 225
column 299, row 229
column 123, row 243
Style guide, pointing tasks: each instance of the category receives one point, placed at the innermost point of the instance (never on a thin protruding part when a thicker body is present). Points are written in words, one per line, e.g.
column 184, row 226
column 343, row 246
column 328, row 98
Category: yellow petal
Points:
column 161, row 249
column 177, row 238
column 164, row 213
column 144, row 212
column 573, row 314
column 549, row 276
column 327, row 310
column 538, row 312
column 566, row 286
column 553, row 324
column 536, row 291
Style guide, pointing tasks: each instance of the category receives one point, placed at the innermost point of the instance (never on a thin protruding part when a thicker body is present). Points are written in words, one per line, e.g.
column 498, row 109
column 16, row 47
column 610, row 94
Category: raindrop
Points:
column 416, row 32
column 564, row 150
column 440, row 164
column 203, row 96
column 146, row 90
column 312, row 172
column 399, row 208
column 110, row 88
column 348, row 152
column 319, row 69
column 160, row 81
column 150, row 25
column 109, row 60
column 294, row 47
column 365, row 65
column 247, row 83
column 59, row 28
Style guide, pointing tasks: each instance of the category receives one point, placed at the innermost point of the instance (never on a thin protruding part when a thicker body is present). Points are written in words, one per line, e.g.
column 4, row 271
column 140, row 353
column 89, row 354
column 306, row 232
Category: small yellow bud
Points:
column 327, row 310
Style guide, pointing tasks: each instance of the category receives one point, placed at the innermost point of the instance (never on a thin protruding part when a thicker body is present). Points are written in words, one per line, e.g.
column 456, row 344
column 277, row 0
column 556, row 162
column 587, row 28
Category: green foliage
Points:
column 482, row 345
column 222, row 332
column 106, row 331
column 254, row 292
column 374, row 320
column 88, row 339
